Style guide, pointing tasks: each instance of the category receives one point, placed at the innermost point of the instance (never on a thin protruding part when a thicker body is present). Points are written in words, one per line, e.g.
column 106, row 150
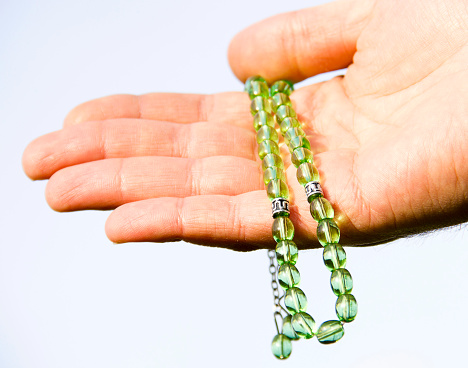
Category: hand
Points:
column 389, row 137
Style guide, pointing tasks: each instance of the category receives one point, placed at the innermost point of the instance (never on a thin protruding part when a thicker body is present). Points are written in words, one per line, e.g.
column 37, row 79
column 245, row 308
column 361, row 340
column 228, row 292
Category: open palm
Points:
column 389, row 137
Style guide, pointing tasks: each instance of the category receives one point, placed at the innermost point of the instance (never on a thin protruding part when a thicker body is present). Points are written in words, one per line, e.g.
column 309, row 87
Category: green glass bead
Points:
column 280, row 99
column 283, row 112
column 301, row 155
column 295, row 301
column 303, row 324
column 248, row 82
column 263, row 118
column 341, row 281
column 286, row 252
column 277, row 188
column 281, row 346
column 346, row 307
column 297, row 142
column 306, row 173
column 334, row 257
column 273, row 173
column 288, row 276
column 282, row 86
column 321, row 209
column 330, row 332
column 288, row 330
column 289, row 123
column 260, row 103
column 328, row 232
column 294, row 133
column 258, row 88
column 267, row 133
column 282, row 228
column 266, row 147
column 272, row 160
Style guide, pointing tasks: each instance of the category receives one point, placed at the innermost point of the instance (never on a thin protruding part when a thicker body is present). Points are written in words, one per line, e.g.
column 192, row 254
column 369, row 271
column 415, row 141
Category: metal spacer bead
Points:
column 313, row 189
column 280, row 207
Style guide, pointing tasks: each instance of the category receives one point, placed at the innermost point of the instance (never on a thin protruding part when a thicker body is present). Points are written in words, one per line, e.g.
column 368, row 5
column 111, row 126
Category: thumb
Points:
column 300, row 44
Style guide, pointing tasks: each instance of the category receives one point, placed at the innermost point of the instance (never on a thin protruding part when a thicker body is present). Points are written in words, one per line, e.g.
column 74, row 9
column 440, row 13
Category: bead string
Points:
column 268, row 106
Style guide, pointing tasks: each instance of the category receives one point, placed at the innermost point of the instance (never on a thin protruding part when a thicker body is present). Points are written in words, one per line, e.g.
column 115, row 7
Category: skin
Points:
column 389, row 137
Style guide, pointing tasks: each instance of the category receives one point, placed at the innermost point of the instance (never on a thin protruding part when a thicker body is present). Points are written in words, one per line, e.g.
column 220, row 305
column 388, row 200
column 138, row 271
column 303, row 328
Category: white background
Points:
column 70, row 298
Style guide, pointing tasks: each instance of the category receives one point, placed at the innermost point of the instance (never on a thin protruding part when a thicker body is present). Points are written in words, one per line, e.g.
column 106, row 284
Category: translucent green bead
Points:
column 285, row 111
column 288, row 330
column 280, row 99
column 266, row 147
column 281, row 346
column 298, row 142
column 248, row 82
column 321, row 209
column 341, row 281
column 295, row 301
column 272, row 160
column 301, row 155
column 273, row 173
column 277, row 188
column 346, row 307
column 303, row 324
column 294, row 133
column 328, row 232
column 286, row 252
column 330, row 332
column 306, row 173
column 289, row 123
column 260, row 103
column 282, row 86
column 267, row 133
column 288, row 276
column 282, row 228
column 263, row 118
column 258, row 88
column 334, row 257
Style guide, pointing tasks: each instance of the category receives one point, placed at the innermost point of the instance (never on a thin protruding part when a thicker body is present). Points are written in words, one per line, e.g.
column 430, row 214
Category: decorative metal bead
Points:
column 280, row 207
column 313, row 190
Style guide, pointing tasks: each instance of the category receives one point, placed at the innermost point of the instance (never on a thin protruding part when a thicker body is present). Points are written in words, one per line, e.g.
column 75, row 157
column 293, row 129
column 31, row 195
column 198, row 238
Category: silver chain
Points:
column 277, row 308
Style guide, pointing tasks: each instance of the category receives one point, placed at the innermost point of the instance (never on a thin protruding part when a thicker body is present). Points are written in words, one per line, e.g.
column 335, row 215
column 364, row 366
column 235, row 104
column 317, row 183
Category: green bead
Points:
column 258, row 88
column 289, row 123
column 267, row 133
column 295, row 301
column 248, row 82
column 277, row 188
column 286, row 252
column 334, row 256
column 282, row 86
column 321, row 209
column 306, row 173
column 301, row 155
column 288, row 330
column 328, row 232
column 288, row 276
column 282, row 228
column 273, row 173
column 285, row 111
column 272, row 160
column 263, row 118
column 280, row 99
column 266, row 147
column 298, row 142
column 341, row 281
column 330, row 332
column 260, row 103
column 346, row 307
column 303, row 324
column 281, row 346
column 294, row 133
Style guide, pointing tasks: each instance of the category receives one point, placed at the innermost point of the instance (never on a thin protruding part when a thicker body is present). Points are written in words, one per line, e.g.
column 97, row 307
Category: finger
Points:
column 110, row 183
column 123, row 138
column 300, row 44
column 222, row 108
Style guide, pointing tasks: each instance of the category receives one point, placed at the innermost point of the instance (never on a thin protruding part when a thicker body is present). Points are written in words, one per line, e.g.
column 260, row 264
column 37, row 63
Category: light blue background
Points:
column 70, row 298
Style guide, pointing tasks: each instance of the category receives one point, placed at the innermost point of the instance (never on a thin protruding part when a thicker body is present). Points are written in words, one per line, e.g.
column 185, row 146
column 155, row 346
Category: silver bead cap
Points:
column 279, row 206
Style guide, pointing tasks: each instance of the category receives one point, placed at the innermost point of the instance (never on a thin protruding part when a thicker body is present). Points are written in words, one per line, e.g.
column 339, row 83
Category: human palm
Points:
column 388, row 137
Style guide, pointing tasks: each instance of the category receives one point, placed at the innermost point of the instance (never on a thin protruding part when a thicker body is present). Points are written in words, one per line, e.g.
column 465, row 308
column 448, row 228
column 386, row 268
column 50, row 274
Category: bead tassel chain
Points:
column 268, row 106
